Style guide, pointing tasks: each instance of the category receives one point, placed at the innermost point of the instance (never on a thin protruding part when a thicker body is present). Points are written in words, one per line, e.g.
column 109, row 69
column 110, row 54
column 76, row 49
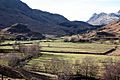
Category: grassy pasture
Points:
column 38, row 63
column 67, row 46
column 70, row 57
column 76, row 47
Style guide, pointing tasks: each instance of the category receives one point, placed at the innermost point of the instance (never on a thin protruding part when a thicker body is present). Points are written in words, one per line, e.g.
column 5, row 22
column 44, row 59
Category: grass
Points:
column 76, row 50
column 69, row 57
column 66, row 46
column 3, row 62
column 76, row 47
column 6, row 47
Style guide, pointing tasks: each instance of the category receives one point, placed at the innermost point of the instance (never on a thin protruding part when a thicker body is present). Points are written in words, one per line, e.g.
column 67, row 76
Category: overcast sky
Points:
column 80, row 10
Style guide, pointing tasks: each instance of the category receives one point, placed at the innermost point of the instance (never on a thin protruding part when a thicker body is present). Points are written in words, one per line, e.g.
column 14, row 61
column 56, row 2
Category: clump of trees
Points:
column 60, row 67
column 76, row 39
column 27, row 52
column 86, row 67
column 13, row 60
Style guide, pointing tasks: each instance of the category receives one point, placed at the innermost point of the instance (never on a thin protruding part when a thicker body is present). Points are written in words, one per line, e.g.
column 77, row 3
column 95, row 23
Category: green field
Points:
column 70, row 57
column 38, row 63
column 52, row 50
column 67, row 46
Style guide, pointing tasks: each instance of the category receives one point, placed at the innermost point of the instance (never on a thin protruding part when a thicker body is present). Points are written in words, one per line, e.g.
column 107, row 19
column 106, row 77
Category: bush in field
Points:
column 87, row 67
column 112, row 70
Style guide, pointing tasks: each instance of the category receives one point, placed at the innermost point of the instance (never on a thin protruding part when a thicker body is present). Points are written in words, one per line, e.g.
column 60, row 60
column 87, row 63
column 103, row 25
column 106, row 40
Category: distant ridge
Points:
column 104, row 18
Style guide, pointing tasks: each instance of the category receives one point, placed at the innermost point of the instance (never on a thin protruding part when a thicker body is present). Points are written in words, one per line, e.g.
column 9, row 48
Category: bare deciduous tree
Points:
column 87, row 67
column 66, row 70
column 112, row 70
column 13, row 60
column 60, row 67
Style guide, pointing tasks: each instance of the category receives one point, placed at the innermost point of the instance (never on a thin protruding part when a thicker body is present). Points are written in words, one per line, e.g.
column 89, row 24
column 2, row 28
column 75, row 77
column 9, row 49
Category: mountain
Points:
column 15, row 11
column 103, row 18
column 20, row 31
column 78, row 27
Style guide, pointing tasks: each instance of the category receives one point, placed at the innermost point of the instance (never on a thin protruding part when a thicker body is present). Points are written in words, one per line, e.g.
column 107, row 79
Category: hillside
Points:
column 103, row 18
column 113, row 27
column 110, row 30
column 78, row 27
column 15, row 11
column 20, row 31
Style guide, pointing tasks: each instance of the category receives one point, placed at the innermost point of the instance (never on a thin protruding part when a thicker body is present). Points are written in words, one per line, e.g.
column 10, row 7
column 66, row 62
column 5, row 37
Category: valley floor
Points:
column 63, row 51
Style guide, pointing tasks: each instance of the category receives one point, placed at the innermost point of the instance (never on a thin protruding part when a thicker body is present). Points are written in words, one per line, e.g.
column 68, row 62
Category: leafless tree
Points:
column 87, row 67
column 13, row 60
column 66, row 70
column 60, row 67
column 112, row 70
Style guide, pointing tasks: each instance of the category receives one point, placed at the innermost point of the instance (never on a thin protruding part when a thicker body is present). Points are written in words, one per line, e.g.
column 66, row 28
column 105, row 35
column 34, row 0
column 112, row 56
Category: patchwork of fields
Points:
column 67, row 51
column 68, row 47
column 69, row 57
